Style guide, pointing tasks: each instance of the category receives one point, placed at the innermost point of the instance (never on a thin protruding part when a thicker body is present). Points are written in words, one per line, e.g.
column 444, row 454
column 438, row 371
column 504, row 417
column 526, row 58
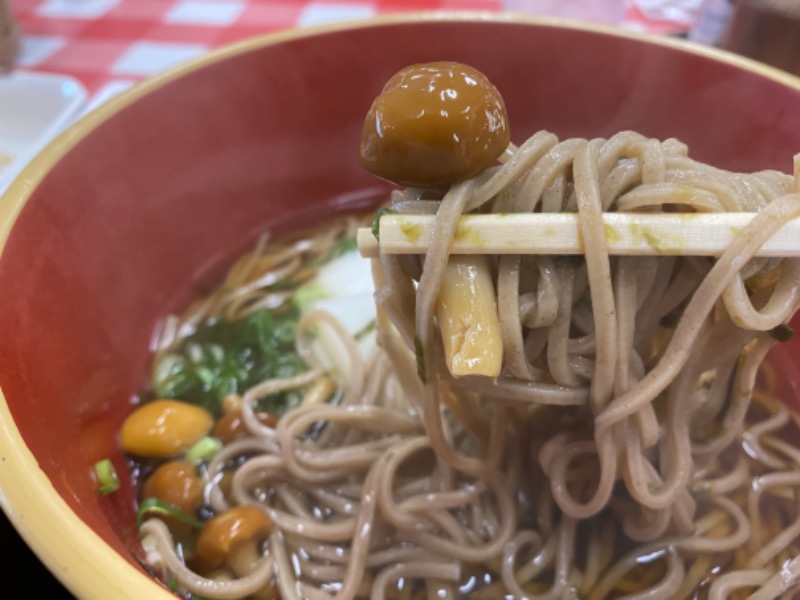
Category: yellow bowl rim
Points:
column 70, row 549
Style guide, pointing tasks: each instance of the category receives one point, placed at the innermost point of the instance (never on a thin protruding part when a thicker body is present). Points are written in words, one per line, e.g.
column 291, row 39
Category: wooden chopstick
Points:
column 627, row 234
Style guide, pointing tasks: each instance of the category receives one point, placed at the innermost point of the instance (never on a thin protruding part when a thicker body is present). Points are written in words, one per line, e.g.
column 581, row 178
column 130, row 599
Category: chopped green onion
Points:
column 343, row 246
column 228, row 357
column 154, row 506
column 205, row 375
column 204, row 449
column 106, row 477
column 339, row 248
column 376, row 224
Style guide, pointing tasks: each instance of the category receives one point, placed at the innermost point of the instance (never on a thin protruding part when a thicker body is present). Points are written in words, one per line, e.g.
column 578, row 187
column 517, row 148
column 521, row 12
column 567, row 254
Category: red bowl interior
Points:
column 122, row 227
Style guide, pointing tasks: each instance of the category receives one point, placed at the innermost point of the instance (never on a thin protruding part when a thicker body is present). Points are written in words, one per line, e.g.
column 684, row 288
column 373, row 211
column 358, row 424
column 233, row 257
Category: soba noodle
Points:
column 632, row 447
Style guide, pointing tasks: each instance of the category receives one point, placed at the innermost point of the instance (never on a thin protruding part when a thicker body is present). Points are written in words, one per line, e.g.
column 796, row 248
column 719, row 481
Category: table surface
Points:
column 109, row 45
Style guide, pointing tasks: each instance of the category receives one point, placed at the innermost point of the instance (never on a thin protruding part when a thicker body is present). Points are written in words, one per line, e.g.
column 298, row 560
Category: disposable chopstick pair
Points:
column 627, row 234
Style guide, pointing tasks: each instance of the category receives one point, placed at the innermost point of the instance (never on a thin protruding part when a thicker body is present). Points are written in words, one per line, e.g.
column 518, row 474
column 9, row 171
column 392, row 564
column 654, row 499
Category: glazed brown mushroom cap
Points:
column 177, row 483
column 434, row 124
column 227, row 531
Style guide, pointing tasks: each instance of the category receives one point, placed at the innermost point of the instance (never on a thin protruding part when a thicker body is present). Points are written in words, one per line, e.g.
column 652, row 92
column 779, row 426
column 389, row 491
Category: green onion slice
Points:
column 154, row 506
column 107, row 478
column 203, row 449
column 376, row 224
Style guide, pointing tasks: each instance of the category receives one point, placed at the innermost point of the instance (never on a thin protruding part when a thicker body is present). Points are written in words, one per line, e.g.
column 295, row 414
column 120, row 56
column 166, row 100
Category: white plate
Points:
column 34, row 108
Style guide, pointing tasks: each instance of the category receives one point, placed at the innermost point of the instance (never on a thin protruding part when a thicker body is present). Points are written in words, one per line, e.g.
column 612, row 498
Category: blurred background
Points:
column 107, row 45
column 62, row 58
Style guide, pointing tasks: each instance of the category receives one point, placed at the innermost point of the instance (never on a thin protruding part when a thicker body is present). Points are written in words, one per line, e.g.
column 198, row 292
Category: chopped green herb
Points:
column 343, row 246
column 339, row 248
column 310, row 294
column 154, row 506
column 204, row 449
column 376, row 224
column 107, row 478
column 227, row 357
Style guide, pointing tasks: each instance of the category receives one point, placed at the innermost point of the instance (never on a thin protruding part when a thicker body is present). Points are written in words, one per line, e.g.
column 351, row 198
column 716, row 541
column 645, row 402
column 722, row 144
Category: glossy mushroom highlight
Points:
column 434, row 124
column 488, row 426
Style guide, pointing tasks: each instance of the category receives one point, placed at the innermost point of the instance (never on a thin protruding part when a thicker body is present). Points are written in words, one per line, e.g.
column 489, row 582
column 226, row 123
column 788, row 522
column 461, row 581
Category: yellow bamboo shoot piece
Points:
column 467, row 313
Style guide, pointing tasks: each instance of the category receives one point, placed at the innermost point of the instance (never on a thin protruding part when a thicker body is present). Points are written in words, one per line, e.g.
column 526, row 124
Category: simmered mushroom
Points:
column 434, row 124
column 233, row 539
column 175, row 482
column 164, row 428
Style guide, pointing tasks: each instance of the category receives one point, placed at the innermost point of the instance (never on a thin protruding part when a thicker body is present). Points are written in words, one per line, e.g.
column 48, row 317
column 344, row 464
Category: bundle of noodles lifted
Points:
column 527, row 426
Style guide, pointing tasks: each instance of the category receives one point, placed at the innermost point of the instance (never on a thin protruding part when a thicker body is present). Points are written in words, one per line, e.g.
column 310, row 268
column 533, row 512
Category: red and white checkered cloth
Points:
column 108, row 45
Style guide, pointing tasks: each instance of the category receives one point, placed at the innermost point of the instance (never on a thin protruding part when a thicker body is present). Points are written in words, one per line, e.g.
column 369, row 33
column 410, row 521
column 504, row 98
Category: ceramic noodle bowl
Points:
column 119, row 220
